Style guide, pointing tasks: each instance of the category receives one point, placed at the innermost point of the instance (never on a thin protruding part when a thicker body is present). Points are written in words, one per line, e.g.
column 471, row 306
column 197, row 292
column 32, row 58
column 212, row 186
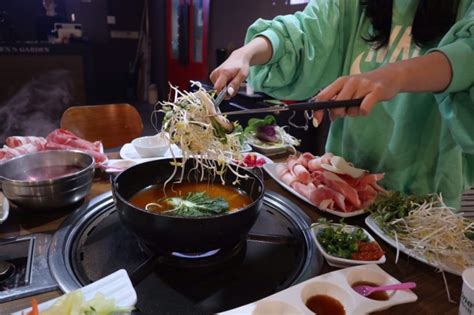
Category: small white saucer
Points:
column 4, row 208
column 128, row 152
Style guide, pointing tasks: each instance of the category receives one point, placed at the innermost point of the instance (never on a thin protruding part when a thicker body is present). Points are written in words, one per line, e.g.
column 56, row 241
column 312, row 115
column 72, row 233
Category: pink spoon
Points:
column 366, row 290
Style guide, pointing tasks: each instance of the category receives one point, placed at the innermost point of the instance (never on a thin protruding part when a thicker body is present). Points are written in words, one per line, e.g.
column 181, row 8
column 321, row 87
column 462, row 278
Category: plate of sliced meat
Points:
column 328, row 182
column 16, row 146
column 59, row 139
column 62, row 139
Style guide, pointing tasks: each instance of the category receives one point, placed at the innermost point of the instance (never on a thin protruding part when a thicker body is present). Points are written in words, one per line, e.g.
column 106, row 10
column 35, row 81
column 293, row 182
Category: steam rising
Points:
column 36, row 109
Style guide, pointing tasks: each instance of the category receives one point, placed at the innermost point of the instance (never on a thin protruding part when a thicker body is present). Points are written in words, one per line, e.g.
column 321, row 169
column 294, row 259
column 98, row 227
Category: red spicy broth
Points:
column 153, row 194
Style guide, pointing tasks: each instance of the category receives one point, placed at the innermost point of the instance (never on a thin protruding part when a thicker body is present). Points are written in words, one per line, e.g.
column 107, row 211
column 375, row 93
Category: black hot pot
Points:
column 166, row 234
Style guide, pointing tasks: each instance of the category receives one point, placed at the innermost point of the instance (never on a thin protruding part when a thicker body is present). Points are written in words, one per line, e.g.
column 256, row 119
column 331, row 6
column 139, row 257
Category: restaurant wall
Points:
column 110, row 58
column 21, row 15
column 158, row 48
column 230, row 20
column 93, row 17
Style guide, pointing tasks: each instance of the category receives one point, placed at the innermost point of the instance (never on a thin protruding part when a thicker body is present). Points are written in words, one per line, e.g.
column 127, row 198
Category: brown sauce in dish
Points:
column 236, row 198
column 379, row 295
column 321, row 304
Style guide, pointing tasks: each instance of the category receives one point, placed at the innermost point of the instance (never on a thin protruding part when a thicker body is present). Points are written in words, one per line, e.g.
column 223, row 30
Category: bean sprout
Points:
column 213, row 143
column 432, row 230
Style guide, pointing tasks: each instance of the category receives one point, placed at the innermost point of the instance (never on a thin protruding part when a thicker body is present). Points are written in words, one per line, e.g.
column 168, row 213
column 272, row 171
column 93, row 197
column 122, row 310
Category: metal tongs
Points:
column 218, row 100
column 311, row 105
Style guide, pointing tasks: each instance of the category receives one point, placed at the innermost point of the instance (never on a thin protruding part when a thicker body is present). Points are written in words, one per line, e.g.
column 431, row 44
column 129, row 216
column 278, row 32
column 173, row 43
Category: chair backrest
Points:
column 113, row 124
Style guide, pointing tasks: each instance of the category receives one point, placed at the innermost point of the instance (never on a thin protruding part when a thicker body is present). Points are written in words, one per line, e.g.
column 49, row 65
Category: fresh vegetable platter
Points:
column 424, row 228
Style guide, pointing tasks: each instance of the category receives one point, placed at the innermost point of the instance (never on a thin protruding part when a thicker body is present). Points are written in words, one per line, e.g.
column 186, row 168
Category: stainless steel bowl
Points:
column 48, row 179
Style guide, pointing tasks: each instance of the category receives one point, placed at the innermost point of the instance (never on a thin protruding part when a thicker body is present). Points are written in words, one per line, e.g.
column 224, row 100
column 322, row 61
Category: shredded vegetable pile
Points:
column 191, row 122
column 428, row 229
column 431, row 230
column 74, row 303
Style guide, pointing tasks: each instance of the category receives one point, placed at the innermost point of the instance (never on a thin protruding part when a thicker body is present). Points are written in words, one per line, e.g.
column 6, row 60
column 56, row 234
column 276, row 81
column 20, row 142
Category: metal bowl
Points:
column 47, row 179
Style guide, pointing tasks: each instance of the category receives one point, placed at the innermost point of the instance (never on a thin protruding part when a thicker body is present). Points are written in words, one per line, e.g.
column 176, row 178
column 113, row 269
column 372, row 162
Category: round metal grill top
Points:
column 279, row 252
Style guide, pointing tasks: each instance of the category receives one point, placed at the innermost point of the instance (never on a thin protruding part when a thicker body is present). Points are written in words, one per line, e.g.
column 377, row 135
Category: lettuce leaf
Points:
column 255, row 123
column 196, row 204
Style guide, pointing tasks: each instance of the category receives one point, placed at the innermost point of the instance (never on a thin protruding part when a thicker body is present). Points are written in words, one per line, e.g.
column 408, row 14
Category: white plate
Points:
column 4, row 208
column 115, row 286
column 115, row 166
column 338, row 261
column 336, row 284
column 271, row 170
column 269, row 150
column 246, row 148
column 380, row 233
column 128, row 152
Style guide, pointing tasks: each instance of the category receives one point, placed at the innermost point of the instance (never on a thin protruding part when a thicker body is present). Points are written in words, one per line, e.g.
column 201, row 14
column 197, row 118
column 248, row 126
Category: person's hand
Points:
column 231, row 72
column 374, row 86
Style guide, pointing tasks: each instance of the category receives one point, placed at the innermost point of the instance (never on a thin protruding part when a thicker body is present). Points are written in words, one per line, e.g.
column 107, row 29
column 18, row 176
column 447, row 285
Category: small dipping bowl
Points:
column 48, row 179
column 151, row 146
column 372, row 278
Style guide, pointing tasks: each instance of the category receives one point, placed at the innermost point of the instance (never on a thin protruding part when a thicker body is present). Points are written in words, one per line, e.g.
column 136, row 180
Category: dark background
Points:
column 96, row 69
column 111, row 58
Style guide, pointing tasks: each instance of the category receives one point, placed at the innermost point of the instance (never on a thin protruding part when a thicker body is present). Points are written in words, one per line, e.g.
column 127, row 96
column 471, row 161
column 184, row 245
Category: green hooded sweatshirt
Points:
column 423, row 142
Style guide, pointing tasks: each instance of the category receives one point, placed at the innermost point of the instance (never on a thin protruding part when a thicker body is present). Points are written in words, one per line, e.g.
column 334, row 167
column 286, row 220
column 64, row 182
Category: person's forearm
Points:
column 258, row 51
column 428, row 73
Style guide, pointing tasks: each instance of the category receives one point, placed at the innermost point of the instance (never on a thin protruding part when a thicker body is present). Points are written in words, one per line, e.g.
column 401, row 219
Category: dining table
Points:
column 431, row 284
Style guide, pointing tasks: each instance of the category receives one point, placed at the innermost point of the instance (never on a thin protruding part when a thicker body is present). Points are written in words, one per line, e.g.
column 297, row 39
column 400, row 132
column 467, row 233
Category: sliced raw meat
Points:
column 288, row 178
column 65, row 137
column 99, row 157
column 8, row 153
column 297, row 167
column 302, row 174
column 16, row 141
column 338, row 184
column 314, row 164
column 305, row 190
column 321, row 194
column 367, row 196
column 308, row 156
column 281, row 169
column 62, row 139
column 313, row 178
column 326, row 158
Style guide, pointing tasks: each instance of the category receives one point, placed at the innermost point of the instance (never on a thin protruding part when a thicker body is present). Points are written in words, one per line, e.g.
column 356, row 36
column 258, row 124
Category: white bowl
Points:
column 151, row 146
column 4, row 208
column 338, row 261
column 269, row 149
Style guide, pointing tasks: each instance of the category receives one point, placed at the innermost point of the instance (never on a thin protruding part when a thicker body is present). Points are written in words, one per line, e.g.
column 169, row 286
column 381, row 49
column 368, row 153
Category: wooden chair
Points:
column 113, row 124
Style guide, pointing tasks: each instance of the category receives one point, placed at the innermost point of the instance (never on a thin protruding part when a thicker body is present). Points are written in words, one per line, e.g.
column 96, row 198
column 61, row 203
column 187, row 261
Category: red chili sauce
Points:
column 368, row 251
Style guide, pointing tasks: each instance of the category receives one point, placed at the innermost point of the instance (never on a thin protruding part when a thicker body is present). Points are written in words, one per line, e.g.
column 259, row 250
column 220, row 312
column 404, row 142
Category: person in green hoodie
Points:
column 412, row 62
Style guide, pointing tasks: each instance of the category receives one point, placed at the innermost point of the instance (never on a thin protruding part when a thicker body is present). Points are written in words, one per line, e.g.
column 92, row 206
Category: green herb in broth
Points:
column 196, row 204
